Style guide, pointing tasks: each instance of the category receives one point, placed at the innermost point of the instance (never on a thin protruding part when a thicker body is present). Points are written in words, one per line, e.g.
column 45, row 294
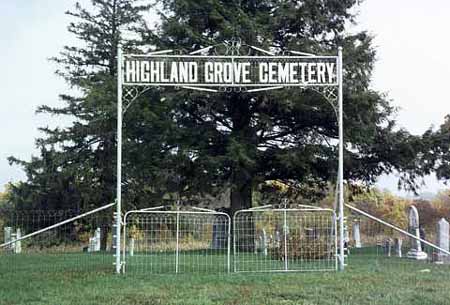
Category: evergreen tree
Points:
column 76, row 168
column 240, row 139
column 191, row 142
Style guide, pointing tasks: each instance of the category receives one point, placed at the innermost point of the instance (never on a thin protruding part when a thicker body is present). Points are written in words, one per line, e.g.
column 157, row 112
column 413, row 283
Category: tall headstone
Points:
column 443, row 239
column 264, row 242
column 97, row 239
column 7, row 234
column 356, row 235
column 131, row 249
column 416, row 248
column 18, row 244
column 398, row 247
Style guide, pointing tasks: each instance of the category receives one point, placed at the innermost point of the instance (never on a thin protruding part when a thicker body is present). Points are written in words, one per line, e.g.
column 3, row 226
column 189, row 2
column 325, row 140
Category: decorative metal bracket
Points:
column 131, row 93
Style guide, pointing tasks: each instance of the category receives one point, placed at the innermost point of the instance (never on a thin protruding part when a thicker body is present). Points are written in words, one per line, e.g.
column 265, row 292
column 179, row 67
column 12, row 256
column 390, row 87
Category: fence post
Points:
column 118, row 212
column 229, row 245
column 177, row 246
column 341, row 163
column 285, row 239
column 234, row 242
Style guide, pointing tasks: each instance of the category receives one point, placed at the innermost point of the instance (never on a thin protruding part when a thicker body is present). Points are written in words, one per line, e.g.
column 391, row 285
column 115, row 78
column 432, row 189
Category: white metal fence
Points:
column 280, row 239
column 164, row 240
column 176, row 241
column 48, row 241
column 375, row 243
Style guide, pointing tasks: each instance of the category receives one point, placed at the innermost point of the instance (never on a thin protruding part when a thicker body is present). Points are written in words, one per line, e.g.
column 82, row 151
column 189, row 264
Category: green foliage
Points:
column 440, row 153
column 76, row 165
column 190, row 143
column 242, row 140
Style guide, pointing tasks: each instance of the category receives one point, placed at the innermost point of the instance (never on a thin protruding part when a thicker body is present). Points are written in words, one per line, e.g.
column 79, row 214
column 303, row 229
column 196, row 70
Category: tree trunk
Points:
column 241, row 198
column 242, row 174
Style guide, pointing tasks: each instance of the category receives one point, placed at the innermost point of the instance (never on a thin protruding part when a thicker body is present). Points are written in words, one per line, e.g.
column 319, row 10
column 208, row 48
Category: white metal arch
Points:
column 130, row 92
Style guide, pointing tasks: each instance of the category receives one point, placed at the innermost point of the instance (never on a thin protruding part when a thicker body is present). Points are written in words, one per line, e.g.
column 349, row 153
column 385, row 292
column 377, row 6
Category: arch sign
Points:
column 208, row 70
column 229, row 71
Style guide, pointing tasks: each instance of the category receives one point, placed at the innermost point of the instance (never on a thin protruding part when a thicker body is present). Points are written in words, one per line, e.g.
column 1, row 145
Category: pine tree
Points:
column 191, row 142
column 76, row 167
column 241, row 139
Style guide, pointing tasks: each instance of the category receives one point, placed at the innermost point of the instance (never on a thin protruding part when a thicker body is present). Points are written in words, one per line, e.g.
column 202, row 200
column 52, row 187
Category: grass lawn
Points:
column 82, row 280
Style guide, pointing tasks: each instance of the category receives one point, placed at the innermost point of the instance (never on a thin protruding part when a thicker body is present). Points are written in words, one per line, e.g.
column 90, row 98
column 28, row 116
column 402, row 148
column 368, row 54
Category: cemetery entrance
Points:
column 232, row 66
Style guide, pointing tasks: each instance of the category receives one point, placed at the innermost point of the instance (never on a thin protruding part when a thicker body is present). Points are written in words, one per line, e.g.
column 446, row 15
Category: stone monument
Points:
column 413, row 226
column 356, row 235
column 7, row 235
column 398, row 247
column 442, row 240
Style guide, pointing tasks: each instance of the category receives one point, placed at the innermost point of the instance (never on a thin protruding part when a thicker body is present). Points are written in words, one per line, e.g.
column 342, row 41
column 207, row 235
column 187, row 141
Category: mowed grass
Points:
column 89, row 279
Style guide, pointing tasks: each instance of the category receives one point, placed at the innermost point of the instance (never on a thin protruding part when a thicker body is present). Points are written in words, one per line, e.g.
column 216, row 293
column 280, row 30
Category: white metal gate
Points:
column 279, row 239
column 176, row 241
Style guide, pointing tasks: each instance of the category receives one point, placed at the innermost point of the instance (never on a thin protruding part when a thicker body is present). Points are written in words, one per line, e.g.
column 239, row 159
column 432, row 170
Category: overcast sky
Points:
column 411, row 37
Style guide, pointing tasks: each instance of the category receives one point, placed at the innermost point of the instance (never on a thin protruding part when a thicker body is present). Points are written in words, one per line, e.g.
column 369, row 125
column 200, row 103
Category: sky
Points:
column 410, row 39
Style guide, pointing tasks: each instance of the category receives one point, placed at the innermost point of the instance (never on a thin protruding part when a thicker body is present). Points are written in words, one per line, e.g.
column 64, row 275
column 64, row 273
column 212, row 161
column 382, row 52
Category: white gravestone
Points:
column 398, row 247
column 18, row 244
column 443, row 236
column 356, row 235
column 97, row 239
column 416, row 248
column 7, row 234
column 264, row 242
column 131, row 249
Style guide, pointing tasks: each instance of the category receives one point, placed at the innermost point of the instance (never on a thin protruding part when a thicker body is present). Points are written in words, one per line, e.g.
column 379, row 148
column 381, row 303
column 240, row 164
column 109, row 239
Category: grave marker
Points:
column 443, row 236
column 414, row 228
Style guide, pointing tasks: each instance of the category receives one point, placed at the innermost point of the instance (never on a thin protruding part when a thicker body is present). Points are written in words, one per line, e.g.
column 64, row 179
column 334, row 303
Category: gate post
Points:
column 178, row 237
column 119, row 159
column 285, row 229
column 341, row 163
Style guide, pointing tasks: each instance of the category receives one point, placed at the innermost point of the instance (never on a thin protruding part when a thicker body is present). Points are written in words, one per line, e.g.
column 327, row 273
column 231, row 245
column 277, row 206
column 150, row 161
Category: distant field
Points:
column 88, row 279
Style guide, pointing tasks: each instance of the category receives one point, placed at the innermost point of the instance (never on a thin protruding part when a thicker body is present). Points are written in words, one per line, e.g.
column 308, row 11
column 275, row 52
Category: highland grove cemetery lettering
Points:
column 231, row 71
